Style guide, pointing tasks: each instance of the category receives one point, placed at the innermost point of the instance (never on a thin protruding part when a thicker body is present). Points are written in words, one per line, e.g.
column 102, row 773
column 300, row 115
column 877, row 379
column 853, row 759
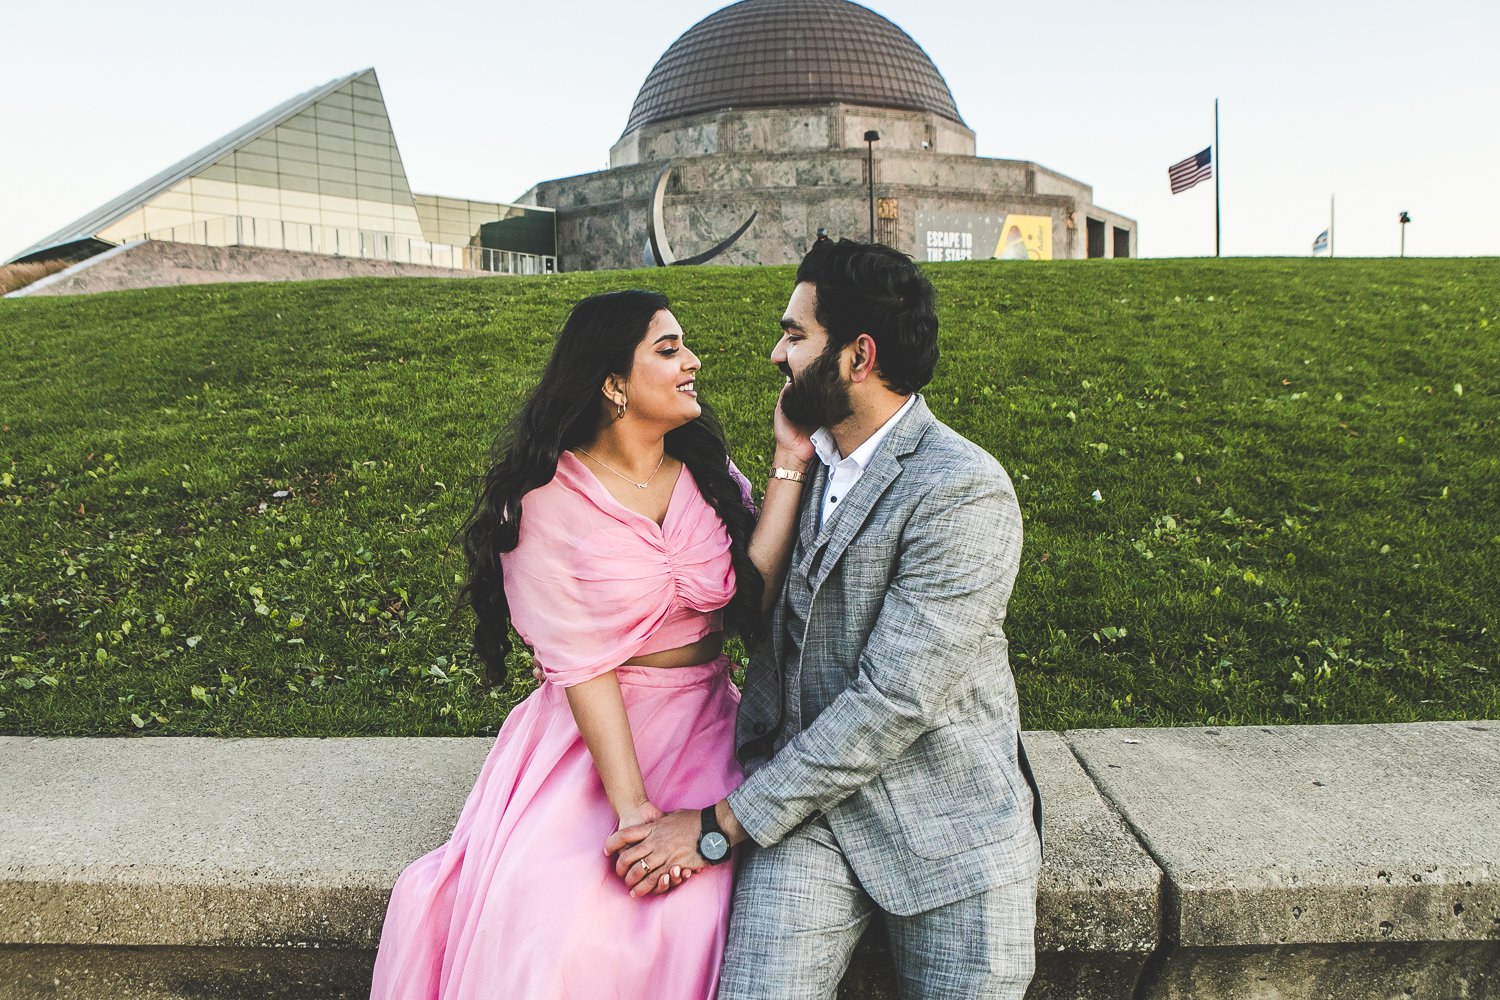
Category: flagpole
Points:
column 1330, row 225
column 1218, row 170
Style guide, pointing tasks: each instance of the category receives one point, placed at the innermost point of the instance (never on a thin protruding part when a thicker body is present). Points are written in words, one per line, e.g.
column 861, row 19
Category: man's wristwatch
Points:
column 790, row 474
column 713, row 845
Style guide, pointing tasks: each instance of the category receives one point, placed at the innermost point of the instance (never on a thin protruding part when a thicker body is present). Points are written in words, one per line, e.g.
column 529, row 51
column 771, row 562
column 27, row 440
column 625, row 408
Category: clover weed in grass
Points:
column 1254, row 490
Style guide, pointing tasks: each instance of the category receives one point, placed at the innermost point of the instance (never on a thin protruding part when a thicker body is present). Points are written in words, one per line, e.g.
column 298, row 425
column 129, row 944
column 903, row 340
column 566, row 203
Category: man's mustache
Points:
column 785, row 369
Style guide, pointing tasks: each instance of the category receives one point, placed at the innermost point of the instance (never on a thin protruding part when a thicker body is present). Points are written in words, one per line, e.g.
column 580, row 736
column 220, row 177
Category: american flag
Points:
column 1198, row 167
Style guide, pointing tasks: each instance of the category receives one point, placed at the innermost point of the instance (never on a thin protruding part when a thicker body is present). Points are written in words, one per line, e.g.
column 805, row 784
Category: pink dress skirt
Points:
column 522, row 903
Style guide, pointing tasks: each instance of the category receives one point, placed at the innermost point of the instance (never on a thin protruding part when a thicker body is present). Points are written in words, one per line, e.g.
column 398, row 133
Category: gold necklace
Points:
column 632, row 482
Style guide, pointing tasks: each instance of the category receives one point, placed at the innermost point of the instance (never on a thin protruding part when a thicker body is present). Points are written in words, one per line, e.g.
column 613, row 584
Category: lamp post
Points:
column 1404, row 220
column 871, row 138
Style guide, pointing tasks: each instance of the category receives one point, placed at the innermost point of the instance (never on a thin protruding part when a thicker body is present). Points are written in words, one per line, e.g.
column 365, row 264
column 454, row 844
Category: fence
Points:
column 340, row 241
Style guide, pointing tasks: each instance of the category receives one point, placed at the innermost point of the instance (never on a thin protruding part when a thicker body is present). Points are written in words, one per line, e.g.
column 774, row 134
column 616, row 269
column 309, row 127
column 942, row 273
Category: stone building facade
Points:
column 753, row 115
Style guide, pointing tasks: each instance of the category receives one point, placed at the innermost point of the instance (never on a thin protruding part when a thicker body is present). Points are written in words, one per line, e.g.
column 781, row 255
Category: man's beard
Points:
column 819, row 397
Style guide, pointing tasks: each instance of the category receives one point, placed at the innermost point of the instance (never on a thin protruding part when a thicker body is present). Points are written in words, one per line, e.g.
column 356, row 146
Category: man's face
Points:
column 819, row 393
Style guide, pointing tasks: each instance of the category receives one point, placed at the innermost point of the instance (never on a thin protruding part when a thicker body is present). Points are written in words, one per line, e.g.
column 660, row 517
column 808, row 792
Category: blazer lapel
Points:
column 807, row 522
column 884, row 468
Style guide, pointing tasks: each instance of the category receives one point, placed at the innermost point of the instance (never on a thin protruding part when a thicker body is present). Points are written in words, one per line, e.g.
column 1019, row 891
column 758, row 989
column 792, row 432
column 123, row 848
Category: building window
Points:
column 887, row 214
column 1096, row 237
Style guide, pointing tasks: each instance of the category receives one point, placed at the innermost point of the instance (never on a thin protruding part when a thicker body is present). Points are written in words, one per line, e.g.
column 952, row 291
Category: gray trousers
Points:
column 799, row 911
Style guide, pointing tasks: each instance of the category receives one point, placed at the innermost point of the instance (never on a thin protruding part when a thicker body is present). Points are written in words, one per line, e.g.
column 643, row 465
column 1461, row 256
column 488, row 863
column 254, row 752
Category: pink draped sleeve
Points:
column 590, row 582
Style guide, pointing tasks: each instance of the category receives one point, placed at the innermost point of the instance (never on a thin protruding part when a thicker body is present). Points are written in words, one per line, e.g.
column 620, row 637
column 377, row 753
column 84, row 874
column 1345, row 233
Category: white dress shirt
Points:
column 845, row 472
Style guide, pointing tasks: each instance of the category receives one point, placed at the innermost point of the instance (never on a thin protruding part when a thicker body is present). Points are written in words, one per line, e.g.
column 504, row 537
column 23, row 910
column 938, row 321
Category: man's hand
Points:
column 662, row 879
column 669, row 844
column 792, row 439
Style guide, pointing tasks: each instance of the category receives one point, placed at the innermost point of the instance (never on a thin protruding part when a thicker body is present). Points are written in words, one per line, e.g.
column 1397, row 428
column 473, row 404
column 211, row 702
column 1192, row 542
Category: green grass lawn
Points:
column 1255, row 490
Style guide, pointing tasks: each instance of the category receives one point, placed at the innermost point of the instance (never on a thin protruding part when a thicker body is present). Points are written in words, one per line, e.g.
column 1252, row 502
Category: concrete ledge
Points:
column 1324, row 861
column 1341, row 861
column 1098, row 900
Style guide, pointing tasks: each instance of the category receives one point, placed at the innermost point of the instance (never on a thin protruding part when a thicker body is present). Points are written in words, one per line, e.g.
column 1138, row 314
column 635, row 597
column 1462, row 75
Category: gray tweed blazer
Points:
column 910, row 745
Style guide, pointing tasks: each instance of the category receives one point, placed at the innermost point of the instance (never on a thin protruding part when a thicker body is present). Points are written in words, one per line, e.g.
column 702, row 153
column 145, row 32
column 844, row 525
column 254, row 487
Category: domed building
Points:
column 768, row 110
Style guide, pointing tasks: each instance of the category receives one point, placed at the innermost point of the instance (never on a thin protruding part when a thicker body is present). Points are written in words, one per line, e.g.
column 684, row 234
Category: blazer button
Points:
column 760, row 728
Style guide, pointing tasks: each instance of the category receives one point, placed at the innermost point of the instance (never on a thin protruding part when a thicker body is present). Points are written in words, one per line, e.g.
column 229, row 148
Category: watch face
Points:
column 713, row 846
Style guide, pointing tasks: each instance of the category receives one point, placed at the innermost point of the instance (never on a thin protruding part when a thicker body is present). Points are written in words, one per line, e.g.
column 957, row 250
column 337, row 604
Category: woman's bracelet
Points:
column 779, row 473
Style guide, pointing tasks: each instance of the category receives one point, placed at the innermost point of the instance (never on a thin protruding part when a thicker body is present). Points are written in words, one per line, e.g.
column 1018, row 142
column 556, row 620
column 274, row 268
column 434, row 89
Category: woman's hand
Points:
column 642, row 815
column 666, row 876
column 792, row 440
column 668, row 844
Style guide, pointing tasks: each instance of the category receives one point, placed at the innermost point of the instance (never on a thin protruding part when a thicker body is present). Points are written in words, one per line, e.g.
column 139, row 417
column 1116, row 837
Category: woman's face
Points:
column 660, row 387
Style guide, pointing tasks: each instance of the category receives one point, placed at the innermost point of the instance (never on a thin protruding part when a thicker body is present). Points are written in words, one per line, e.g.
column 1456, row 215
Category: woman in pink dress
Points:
column 617, row 538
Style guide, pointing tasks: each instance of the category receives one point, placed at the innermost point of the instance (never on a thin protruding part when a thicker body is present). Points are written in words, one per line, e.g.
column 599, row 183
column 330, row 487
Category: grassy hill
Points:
column 1254, row 490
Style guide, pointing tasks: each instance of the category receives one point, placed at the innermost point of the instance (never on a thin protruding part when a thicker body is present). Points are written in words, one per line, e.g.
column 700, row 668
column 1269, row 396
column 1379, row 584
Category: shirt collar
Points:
column 828, row 450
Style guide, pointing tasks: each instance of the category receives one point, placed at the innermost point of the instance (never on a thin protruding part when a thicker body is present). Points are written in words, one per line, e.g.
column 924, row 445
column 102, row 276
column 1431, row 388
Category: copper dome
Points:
column 772, row 53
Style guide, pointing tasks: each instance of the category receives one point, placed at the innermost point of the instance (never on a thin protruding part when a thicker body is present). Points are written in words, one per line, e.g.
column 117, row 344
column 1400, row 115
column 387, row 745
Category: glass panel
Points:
column 162, row 218
column 331, row 203
column 258, row 179
column 205, row 187
column 336, row 173
column 291, row 198
column 260, row 210
column 342, row 130
column 343, row 98
column 289, row 183
column 297, row 168
column 376, row 207
column 337, row 188
column 376, row 152
column 178, row 197
column 369, row 106
column 265, row 178
column 384, row 181
column 266, row 145
column 304, row 120
column 299, row 153
column 329, row 118
column 376, row 223
column 223, row 170
column 372, row 127
column 212, row 207
column 338, row 144
column 258, row 192
column 255, row 161
column 301, row 213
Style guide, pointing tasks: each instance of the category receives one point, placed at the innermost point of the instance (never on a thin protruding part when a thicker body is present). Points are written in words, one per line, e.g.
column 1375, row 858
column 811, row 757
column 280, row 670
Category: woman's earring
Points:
column 620, row 413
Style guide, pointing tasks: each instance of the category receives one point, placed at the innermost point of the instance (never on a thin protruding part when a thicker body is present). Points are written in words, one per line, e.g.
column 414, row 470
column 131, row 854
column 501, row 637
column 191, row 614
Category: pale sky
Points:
column 1389, row 106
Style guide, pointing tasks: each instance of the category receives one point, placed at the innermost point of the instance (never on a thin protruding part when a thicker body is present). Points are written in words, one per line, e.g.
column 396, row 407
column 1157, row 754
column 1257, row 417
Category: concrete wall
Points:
column 815, row 128
column 157, row 263
column 1285, row 863
column 603, row 217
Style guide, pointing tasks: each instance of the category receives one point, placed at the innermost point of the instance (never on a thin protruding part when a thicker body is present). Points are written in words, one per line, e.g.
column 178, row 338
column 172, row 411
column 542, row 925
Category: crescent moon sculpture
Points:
column 659, row 250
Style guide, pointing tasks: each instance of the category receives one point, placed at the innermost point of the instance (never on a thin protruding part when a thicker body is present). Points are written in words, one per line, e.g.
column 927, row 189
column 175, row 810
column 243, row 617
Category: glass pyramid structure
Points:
column 319, row 173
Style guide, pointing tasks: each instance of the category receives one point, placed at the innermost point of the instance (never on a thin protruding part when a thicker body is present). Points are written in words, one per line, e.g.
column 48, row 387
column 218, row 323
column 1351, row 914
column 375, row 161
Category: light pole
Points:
column 871, row 138
column 1404, row 220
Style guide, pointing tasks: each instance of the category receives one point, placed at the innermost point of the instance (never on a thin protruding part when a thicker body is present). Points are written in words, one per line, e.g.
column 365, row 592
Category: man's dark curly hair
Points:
column 871, row 288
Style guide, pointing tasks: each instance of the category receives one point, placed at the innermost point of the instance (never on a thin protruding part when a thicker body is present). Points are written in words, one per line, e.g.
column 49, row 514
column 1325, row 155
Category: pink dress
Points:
column 521, row 903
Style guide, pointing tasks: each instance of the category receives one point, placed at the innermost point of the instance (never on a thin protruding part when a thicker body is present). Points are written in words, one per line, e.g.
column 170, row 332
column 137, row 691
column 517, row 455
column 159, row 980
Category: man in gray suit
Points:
column 879, row 727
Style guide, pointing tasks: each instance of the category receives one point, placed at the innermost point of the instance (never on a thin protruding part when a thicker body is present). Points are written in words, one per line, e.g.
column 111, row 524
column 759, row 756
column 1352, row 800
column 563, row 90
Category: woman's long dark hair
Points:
column 599, row 339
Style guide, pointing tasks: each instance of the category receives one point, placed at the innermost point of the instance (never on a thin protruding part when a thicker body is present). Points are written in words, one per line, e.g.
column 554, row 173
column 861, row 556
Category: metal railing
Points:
column 341, row 241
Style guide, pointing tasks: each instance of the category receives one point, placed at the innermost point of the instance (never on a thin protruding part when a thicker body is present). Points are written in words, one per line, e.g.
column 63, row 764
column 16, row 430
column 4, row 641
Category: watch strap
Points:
column 711, row 822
